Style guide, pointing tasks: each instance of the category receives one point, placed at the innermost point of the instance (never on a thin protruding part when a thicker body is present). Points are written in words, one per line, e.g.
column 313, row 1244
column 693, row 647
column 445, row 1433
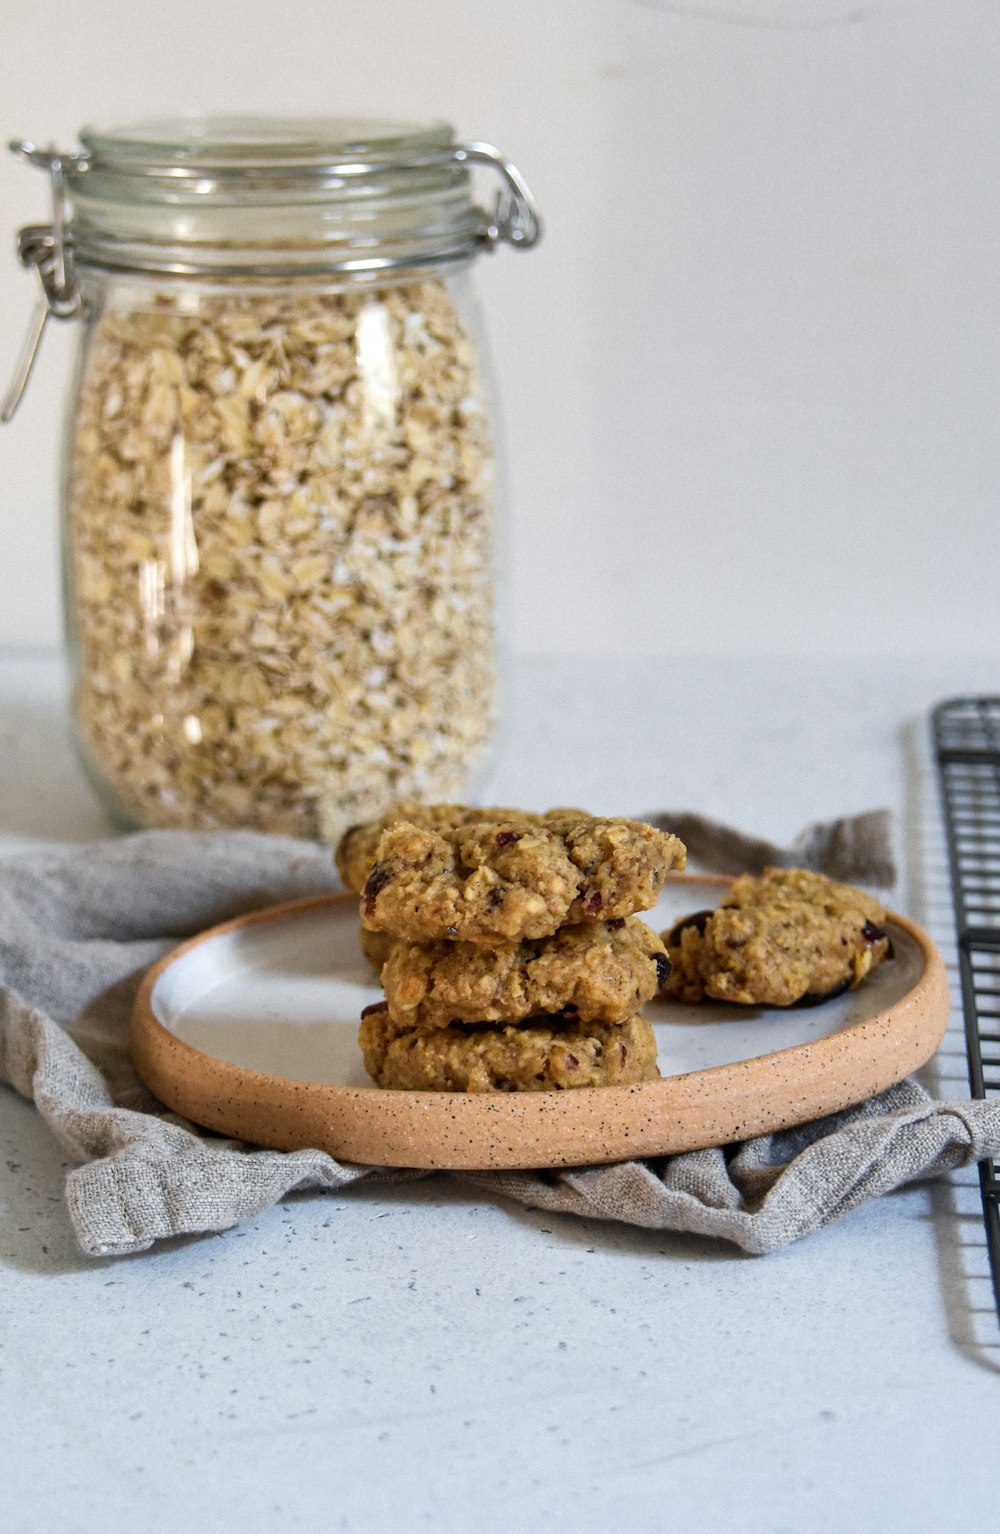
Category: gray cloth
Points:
column 855, row 848
column 80, row 924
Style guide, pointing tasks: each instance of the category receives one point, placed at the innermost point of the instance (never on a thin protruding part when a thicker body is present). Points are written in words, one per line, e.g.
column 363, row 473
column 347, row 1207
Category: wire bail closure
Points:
column 516, row 220
column 47, row 249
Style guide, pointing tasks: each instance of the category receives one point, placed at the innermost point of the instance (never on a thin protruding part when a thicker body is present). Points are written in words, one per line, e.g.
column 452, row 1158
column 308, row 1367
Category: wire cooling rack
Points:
column 966, row 734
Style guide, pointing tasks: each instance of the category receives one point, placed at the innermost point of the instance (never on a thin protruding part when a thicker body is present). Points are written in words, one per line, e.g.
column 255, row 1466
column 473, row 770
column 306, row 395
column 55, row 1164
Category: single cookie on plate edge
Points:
column 790, row 937
column 549, row 1054
column 599, row 971
column 501, row 880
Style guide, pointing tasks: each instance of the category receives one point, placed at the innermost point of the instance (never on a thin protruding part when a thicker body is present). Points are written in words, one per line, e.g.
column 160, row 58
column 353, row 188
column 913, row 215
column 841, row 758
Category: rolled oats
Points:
column 280, row 556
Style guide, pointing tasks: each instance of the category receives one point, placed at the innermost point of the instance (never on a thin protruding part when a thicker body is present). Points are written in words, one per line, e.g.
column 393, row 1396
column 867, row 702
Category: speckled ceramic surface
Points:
column 251, row 1030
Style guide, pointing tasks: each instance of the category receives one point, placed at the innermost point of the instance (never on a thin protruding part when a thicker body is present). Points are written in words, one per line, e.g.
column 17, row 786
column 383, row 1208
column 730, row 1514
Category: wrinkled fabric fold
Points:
column 856, row 849
column 79, row 925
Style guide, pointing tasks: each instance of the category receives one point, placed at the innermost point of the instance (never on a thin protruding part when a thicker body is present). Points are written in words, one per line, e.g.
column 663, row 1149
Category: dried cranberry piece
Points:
column 572, row 1062
column 376, row 1007
column 504, row 838
column 615, row 924
column 377, row 880
column 663, row 967
column 873, row 933
column 698, row 920
column 593, row 903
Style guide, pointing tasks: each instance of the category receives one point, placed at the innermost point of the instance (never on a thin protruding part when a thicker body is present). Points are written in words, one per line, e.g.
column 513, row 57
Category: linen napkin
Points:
column 854, row 848
column 80, row 924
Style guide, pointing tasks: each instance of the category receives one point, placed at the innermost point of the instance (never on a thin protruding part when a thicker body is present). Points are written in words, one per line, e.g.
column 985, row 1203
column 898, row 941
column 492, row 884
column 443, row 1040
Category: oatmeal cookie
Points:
column 376, row 947
column 500, row 880
column 542, row 1056
column 355, row 853
column 599, row 971
column 788, row 937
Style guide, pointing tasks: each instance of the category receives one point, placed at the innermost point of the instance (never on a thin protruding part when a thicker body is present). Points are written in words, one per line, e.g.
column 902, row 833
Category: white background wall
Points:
column 750, row 378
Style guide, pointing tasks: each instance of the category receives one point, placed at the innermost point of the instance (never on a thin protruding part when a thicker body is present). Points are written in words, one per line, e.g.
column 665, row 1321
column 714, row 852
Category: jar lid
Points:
column 284, row 195
column 233, row 148
column 217, row 197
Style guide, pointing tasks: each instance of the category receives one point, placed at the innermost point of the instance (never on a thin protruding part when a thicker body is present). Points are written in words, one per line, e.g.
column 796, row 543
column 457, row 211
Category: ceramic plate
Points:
column 251, row 1030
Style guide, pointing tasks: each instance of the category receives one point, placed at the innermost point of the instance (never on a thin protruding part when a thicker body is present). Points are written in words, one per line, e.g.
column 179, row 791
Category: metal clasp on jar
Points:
column 515, row 218
column 45, row 249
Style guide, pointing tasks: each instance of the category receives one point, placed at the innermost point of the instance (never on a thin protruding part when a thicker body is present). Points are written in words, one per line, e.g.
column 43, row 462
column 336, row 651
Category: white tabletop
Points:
column 409, row 1359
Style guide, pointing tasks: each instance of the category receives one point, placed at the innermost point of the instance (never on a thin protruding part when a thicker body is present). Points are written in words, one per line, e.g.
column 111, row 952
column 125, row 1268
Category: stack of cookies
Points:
column 510, row 953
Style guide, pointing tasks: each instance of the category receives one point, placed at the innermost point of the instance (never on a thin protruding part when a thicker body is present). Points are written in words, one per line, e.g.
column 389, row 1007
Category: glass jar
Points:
column 279, row 536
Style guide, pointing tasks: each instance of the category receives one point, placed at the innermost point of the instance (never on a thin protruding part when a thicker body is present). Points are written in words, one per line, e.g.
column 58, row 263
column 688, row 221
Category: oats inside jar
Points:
column 280, row 555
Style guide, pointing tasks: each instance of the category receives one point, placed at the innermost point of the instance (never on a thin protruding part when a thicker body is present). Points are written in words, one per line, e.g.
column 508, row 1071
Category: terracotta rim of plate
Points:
column 509, row 1130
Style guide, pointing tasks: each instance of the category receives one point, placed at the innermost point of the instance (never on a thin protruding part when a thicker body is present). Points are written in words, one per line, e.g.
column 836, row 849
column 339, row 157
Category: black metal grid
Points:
column 967, row 746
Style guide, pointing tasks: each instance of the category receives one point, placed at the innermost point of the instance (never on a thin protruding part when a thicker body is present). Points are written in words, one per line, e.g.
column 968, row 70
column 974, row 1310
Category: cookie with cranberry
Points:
column 355, row 852
column 502, row 880
column 546, row 1055
column 790, row 937
column 599, row 971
